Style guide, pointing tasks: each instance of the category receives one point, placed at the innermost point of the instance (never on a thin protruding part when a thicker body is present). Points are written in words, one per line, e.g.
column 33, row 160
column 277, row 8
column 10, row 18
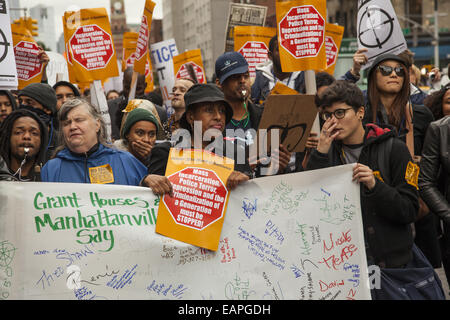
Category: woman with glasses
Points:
column 434, row 177
column 389, row 103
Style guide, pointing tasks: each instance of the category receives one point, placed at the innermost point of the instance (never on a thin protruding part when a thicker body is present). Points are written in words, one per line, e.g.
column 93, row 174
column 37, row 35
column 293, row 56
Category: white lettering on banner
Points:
column 296, row 236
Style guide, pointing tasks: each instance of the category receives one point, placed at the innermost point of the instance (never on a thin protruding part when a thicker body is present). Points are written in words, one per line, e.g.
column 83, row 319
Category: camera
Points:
column 432, row 76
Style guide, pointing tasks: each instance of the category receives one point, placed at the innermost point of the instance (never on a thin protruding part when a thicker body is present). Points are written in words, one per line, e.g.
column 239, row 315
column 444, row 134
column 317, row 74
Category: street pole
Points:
column 436, row 35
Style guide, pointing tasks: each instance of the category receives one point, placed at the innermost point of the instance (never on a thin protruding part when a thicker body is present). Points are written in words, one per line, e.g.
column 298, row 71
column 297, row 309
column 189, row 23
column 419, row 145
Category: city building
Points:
column 197, row 24
column 46, row 24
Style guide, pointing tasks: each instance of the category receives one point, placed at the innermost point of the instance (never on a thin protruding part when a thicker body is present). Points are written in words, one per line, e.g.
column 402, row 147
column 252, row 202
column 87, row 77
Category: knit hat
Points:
column 42, row 93
column 76, row 92
column 199, row 93
column 136, row 115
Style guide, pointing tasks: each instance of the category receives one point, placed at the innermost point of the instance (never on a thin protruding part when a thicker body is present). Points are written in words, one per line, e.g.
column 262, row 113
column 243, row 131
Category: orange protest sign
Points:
column 143, row 39
column 189, row 65
column 253, row 43
column 149, row 75
column 196, row 212
column 301, row 34
column 29, row 68
column 89, row 45
column 333, row 39
column 281, row 88
column 129, row 49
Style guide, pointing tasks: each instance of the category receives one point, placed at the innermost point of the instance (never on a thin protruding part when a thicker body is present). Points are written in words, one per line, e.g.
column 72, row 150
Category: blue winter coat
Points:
column 95, row 168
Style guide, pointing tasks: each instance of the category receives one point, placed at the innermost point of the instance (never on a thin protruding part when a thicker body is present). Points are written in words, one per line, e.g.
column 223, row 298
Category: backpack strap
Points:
column 383, row 154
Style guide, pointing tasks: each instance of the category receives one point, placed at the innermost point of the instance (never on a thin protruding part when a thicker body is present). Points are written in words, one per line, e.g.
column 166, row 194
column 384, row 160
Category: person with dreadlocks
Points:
column 23, row 140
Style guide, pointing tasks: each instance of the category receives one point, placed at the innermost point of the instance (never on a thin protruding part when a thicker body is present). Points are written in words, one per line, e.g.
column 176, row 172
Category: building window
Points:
column 413, row 10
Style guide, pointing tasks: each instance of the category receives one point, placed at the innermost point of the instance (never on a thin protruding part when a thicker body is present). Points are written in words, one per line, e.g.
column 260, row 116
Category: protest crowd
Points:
column 395, row 134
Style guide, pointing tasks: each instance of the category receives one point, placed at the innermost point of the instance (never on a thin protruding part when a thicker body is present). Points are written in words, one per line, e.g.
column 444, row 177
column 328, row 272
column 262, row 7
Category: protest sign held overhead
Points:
column 162, row 57
column 253, row 43
column 26, row 52
column 189, row 64
column 333, row 38
column 8, row 71
column 197, row 209
column 89, row 45
column 143, row 39
column 301, row 34
column 243, row 15
column 378, row 29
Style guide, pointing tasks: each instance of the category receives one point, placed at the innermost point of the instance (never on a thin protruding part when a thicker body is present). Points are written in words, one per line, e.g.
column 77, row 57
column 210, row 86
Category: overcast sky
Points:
column 133, row 8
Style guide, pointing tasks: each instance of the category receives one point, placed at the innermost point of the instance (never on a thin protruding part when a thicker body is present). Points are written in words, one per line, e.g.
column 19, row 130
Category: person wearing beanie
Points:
column 138, row 134
column 206, row 113
column 23, row 137
column 40, row 98
column 64, row 91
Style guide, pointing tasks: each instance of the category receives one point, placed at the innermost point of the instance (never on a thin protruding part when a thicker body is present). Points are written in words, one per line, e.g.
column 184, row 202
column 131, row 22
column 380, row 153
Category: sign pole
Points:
column 310, row 83
column 133, row 85
column 98, row 100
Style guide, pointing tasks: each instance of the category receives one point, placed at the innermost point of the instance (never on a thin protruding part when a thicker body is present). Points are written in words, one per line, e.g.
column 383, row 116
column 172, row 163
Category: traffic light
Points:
column 31, row 25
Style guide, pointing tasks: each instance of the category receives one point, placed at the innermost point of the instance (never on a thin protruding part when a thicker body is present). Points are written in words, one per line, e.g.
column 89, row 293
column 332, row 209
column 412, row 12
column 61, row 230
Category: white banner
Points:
column 8, row 72
column 296, row 236
column 162, row 62
column 378, row 29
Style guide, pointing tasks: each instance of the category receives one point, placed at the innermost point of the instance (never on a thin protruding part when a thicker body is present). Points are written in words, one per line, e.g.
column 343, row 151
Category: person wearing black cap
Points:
column 389, row 103
column 233, row 78
column 23, row 137
column 41, row 99
column 206, row 109
column 64, row 91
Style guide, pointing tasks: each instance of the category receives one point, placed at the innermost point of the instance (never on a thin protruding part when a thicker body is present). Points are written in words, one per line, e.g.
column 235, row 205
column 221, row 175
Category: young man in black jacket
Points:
column 389, row 200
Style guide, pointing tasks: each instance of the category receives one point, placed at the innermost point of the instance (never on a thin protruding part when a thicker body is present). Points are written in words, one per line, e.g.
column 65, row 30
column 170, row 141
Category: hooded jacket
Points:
column 99, row 165
column 5, row 142
column 388, row 209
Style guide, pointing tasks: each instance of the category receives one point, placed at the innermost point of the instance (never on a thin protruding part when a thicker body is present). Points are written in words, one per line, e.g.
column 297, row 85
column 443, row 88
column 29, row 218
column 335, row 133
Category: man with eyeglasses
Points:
column 388, row 198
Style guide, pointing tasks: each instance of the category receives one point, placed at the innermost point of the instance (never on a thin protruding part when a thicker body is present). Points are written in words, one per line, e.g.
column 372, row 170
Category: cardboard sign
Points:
column 301, row 34
column 333, row 39
column 290, row 237
column 292, row 115
column 143, row 39
column 189, row 64
column 243, row 15
column 253, row 43
column 28, row 65
column 89, row 45
column 378, row 29
column 196, row 212
column 8, row 71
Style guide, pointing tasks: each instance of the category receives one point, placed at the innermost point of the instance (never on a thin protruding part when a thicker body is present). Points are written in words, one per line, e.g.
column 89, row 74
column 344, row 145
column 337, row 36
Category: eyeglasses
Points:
column 387, row 70
column 338, row 114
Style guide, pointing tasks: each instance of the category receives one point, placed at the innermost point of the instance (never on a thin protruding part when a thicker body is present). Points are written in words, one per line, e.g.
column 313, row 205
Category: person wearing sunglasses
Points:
column 389, row 202
column 389, row 103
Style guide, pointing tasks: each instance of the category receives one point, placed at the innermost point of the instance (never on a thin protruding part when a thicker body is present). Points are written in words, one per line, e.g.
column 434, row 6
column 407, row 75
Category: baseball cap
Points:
column 230, row 63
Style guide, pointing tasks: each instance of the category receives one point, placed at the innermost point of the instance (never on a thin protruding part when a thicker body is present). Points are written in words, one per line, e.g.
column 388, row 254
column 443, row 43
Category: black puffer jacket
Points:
column 388, row 209
column 434, row 177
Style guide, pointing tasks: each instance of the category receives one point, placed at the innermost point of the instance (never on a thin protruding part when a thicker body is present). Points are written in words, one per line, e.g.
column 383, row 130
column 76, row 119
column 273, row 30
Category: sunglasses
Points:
column 387, row 70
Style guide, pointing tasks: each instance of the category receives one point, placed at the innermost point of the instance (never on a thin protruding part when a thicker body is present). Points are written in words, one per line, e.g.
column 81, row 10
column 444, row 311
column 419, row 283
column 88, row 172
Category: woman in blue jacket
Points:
column 85, row 156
